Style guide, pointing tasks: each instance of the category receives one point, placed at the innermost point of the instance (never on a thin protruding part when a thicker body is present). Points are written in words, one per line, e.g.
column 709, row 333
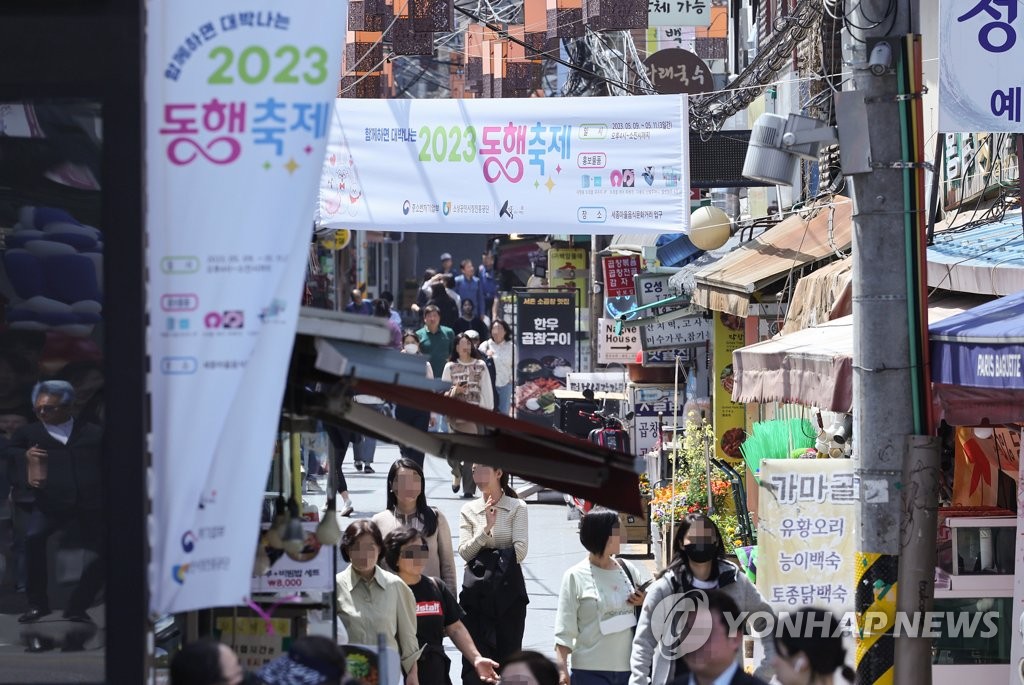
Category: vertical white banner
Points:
column 238, row 107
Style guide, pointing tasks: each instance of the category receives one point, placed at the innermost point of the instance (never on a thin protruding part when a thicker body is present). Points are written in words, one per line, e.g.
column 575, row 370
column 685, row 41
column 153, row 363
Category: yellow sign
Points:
column 253, row 640
column 730, row 417
column 805, row 533
column 568, row 269
column 338, row 240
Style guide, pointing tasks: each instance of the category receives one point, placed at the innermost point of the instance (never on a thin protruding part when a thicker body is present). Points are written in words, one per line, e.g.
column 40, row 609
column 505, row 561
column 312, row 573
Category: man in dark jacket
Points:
column 56, row 467
column 714, row 656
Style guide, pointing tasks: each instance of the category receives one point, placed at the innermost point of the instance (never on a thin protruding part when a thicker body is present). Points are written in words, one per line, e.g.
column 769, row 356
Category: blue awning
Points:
column 981, row 348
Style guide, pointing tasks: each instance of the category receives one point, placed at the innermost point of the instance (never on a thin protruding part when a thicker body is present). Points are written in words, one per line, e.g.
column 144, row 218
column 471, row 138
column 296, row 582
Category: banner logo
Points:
column 681, row 623
column 178, row 572
column 188, row 541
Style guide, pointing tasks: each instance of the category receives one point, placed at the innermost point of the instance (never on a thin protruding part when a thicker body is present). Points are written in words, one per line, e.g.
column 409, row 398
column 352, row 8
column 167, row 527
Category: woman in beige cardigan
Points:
column 407, row 506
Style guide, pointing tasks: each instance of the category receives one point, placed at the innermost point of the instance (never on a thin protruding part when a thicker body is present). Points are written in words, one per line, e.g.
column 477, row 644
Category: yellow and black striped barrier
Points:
column 876, row 616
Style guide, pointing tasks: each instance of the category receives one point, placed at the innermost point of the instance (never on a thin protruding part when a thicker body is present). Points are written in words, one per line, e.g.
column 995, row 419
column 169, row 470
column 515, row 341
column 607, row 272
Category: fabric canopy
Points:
column 813, row 366
column 728, row 284
column 982, row 347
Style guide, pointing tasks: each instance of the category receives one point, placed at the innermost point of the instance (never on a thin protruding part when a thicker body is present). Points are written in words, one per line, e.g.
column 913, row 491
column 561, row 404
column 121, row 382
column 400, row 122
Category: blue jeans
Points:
column 504, row 399
column 581, row 677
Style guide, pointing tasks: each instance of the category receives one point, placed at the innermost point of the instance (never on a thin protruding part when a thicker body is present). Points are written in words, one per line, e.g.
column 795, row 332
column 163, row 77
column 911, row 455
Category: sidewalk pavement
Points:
column 554, row 541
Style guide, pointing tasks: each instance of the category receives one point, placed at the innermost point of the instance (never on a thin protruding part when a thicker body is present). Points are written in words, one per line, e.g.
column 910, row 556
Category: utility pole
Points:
column 898, row 498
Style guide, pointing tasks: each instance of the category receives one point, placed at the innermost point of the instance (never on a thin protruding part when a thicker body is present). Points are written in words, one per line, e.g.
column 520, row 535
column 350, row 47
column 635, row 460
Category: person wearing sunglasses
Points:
column 56, row 466
column 437, row 612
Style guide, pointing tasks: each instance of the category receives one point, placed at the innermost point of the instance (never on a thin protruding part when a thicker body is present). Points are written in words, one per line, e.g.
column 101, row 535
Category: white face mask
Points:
column 411, row 348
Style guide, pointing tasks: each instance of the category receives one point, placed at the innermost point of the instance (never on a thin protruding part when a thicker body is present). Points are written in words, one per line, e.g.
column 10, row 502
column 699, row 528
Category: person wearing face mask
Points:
column 698, row 563
column 420, row 420
column 813, row 656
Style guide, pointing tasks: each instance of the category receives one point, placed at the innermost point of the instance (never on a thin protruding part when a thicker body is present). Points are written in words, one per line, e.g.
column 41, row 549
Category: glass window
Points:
column 51, row 392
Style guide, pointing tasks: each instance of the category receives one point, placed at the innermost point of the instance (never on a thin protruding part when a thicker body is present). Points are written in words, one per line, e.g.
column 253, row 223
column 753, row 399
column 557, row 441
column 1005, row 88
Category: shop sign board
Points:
column 979, row 88
column 238, row 104
column 545, row 352
column 616, row 349
column 687, row 330
column 601, row 381
column 730, row 417
column 679, row 13
column 647, row 402
column 806, row 533
column 619, row 271
column 255, row 640
column 567, row 271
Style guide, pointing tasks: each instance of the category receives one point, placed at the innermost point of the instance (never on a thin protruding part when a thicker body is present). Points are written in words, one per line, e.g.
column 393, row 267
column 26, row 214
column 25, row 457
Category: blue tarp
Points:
column 982, row 347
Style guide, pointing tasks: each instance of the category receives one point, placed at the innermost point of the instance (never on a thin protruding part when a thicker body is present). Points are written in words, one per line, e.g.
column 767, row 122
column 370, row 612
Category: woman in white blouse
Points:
column 372, row 600
column 493, row 535
column 499, row 349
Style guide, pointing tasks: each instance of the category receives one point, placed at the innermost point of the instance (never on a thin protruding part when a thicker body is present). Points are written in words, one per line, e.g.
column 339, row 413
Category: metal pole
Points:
column 596, row 302
column 675, row 455
column 884, row 376
column 918, row 531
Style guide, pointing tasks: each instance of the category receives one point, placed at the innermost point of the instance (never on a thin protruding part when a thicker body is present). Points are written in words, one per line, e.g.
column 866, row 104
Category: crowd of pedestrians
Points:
column 401, row 580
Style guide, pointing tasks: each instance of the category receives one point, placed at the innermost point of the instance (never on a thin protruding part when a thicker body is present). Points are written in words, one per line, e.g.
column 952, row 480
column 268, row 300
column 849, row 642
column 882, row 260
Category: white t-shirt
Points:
column 592, row 604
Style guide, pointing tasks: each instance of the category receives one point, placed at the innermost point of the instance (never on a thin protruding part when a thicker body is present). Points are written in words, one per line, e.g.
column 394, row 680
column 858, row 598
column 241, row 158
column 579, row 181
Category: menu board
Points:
column 546, row 343
column 806, row 533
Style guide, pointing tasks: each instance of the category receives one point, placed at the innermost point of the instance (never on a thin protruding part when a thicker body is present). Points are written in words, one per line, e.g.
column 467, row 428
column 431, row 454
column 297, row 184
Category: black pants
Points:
column 340, row 440
column 496, row 638
column 84, row 533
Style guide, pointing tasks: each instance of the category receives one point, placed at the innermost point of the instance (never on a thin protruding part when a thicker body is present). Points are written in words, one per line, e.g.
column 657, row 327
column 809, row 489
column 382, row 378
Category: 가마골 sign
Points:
column 980, row 47
column 508, row 166
column 806, row 533
column 239, row 101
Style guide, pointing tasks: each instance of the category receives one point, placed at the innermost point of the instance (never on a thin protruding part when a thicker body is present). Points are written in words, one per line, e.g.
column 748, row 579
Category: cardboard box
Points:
column 633, row 529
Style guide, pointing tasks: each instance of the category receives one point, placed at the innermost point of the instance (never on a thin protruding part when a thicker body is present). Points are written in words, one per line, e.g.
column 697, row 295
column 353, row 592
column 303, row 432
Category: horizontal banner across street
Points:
column 539, row 165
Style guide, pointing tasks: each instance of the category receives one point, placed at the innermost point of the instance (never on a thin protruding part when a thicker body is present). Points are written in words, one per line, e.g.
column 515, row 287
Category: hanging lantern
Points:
column 615, row 15
column 367, row 15
column 565, row 18
column 432, row 15
column 406, row 40
column 364, row 53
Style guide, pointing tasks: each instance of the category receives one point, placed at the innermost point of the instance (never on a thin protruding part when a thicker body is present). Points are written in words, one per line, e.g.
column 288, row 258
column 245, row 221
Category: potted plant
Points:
column 688, row 457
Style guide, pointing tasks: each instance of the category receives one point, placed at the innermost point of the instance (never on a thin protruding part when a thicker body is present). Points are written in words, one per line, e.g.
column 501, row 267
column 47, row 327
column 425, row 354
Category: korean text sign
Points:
column 806, row 536
column 730, row 417
column 545, row 352
column 681, row 332
column 507, row 165
column 980, row 48
column 618, row 274
column 239, row 102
